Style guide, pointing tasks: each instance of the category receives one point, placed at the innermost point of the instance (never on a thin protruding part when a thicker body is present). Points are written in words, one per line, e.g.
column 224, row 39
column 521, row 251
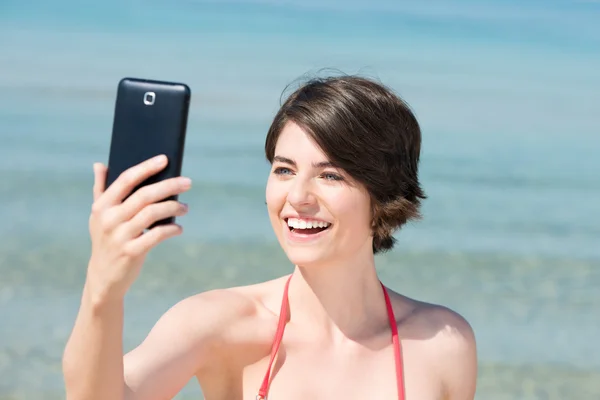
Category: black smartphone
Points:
column 150, row 118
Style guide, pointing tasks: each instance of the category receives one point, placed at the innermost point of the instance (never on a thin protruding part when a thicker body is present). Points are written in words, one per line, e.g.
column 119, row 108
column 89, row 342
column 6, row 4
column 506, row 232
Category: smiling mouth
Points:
column 306, row 227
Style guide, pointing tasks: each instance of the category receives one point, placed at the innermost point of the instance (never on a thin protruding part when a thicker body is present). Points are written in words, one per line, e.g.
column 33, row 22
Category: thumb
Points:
column 99, row 179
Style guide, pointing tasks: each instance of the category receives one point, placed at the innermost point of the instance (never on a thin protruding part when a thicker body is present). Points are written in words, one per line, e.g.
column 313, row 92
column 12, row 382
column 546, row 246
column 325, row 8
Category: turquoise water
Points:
column 507, row 94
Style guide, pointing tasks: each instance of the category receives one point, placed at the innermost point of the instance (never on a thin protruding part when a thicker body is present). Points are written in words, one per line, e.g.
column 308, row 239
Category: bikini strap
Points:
column 397, row 345
column 283, row 315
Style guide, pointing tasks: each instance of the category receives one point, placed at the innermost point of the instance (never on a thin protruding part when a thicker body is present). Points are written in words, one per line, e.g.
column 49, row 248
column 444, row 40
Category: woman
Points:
column 344, row 153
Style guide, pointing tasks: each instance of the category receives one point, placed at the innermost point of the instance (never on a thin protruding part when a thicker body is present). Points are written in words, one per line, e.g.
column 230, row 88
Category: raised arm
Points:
column 93, row 357
column 186, row 341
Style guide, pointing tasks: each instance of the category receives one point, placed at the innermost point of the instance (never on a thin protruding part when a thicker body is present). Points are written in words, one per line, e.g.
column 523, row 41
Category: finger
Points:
column 153, row 213
column 150, row 239
column 131, row 178
column 151, row 194
column 99, row 180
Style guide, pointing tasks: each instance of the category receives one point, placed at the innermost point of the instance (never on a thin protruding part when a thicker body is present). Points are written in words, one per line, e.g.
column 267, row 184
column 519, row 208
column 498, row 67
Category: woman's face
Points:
column 318, row 212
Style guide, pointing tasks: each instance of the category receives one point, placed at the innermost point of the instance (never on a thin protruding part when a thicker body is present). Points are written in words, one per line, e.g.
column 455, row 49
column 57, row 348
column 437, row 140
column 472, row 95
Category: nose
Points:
column 301, row 193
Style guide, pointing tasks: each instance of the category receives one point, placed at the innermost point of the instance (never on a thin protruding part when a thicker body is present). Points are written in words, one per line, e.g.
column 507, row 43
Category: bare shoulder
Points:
column 211, row 315
column 190, row 337
column 449, row 330
column 207, row 312
column 446, row 341
column 193, row 326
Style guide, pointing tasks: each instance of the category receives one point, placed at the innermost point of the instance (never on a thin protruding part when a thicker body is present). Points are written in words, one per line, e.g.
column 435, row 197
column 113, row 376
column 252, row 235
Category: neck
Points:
column 339, row 300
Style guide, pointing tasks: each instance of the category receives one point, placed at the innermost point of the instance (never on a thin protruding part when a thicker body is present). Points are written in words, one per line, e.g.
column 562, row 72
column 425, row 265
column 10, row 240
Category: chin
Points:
column 306, row 256
column 328, row 252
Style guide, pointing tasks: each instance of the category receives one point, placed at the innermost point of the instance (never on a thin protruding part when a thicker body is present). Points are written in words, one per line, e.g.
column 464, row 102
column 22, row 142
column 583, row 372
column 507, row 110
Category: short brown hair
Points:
column 369, row 132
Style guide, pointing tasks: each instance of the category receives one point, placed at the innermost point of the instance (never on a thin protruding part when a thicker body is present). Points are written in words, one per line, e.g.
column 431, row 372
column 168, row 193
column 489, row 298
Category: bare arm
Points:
column 183, row 343
column 93, row 357
column 457, row 349
column 187, row 341
column 95, row 368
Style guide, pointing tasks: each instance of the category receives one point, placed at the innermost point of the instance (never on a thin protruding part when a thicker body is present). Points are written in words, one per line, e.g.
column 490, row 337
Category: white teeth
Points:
column 303, row 224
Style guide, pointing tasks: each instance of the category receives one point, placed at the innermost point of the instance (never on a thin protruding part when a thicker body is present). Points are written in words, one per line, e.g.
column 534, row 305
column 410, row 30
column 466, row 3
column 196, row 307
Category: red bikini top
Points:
column 283, row 315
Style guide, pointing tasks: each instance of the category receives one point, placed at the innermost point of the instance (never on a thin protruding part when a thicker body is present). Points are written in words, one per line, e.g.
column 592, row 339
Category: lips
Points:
column 303, row 224
column 303, row 229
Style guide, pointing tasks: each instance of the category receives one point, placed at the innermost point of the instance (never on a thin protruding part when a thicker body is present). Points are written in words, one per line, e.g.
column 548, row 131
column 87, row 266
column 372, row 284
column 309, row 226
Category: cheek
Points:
column 275, row 197
column 353, row 210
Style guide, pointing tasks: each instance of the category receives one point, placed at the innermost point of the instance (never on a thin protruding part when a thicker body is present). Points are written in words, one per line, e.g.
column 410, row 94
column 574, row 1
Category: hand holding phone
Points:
column 150, row 118
column 119, row 221
column 136, row 195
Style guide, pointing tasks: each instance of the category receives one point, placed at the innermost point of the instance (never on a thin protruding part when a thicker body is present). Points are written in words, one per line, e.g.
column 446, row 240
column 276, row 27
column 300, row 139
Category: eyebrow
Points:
column 322, row 164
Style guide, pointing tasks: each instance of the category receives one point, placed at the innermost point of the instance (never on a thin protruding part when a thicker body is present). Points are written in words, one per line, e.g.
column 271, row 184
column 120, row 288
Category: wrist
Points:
column 101, row 299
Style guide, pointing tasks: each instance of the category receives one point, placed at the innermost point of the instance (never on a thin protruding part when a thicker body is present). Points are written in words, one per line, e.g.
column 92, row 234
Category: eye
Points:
column 282, row 171
column 330, row 176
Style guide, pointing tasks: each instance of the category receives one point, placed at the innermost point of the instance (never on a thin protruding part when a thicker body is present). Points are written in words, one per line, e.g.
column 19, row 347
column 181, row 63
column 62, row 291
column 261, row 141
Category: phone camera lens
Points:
column 149, row 98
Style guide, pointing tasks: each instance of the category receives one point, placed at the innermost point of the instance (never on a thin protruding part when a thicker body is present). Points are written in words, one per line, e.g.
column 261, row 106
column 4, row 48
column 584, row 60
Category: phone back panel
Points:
column 150, row 118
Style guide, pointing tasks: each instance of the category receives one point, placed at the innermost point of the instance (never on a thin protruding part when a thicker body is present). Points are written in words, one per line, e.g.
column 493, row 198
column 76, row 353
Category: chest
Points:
column 360, row 373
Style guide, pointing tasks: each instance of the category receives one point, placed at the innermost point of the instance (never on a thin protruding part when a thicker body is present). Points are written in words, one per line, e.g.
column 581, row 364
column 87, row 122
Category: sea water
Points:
column 507, row 97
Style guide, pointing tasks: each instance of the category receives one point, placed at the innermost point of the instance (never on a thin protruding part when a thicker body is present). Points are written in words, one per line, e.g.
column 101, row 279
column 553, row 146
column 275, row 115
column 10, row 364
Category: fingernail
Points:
column 186, row 182
column 159, row 160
